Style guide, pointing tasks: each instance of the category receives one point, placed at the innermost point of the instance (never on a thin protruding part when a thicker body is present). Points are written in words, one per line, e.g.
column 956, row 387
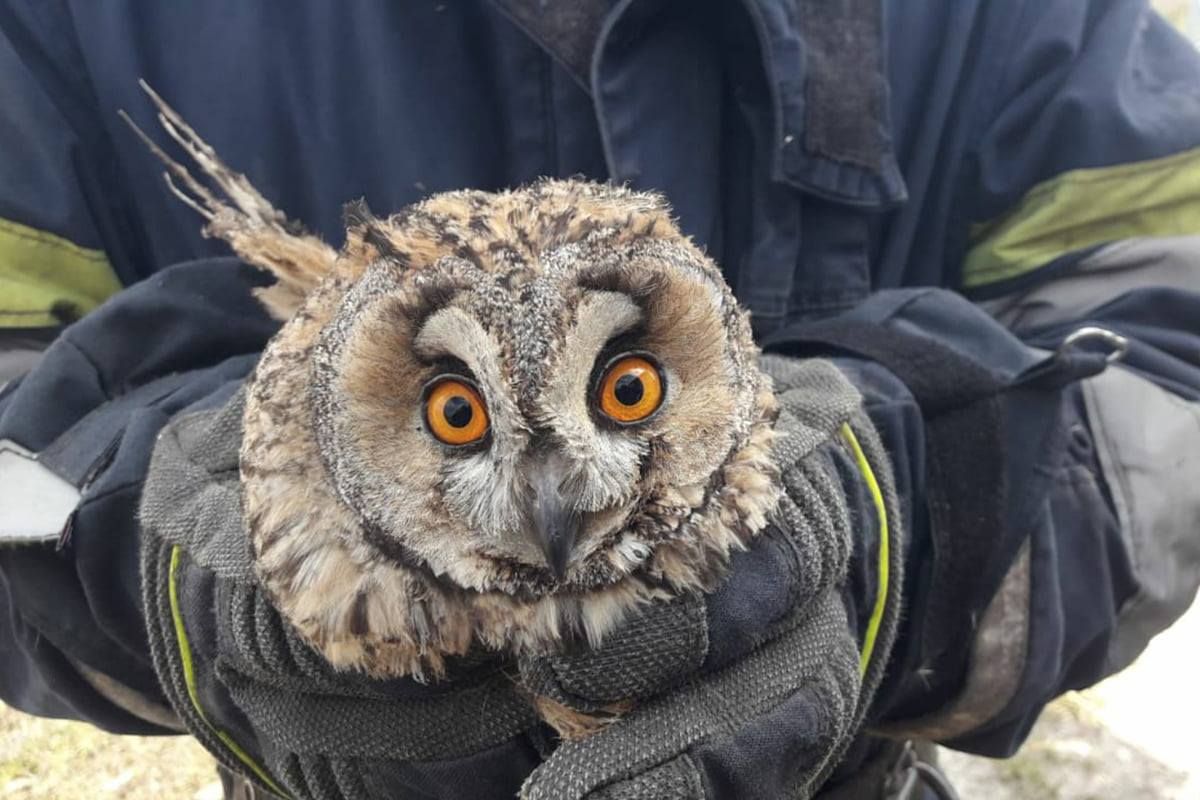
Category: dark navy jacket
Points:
column 873, row 163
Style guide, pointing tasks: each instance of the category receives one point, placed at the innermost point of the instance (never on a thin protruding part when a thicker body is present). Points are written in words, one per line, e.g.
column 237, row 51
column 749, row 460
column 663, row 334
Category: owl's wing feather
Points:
column 238, row 214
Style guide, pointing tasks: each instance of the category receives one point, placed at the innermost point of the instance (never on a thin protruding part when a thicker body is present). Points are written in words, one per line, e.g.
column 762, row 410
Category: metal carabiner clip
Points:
column 1117, row 344
column 910, row 775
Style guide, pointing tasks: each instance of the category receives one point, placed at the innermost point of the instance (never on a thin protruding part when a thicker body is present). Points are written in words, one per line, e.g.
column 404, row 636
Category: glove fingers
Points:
column 801, row 687
column 778, row 754
column 775, row 755
column 654, row 650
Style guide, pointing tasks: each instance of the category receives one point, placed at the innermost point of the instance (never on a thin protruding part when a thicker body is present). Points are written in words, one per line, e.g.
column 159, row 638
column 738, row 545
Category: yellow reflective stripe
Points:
column 189, row 678
column 39, row 271
column 1084, row 208
column 881, row 588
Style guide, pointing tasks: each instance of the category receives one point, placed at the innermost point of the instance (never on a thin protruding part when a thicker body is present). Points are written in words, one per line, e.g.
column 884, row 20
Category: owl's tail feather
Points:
column 238, row 214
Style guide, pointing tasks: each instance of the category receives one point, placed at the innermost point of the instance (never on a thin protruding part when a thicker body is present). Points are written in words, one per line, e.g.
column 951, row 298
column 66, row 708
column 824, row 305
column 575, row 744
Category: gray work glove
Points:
column 753, row 691
column 756, row 690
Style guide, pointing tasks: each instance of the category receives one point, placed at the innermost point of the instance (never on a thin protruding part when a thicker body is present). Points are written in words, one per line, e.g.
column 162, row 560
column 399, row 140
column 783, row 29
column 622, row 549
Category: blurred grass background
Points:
column 43, row 759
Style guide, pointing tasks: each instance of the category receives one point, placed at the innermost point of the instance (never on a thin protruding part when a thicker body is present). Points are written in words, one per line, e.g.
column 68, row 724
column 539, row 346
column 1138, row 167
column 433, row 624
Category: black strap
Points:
column 939, row 377
column 845, row 90
column 966, row 483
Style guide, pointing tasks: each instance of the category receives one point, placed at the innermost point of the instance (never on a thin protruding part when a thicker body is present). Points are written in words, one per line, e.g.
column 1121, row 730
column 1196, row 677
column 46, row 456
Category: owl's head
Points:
column 496, row 418
column 541, row 406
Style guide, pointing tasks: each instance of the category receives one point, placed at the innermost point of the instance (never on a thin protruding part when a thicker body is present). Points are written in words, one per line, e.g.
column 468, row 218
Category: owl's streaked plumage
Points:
column 390, row 551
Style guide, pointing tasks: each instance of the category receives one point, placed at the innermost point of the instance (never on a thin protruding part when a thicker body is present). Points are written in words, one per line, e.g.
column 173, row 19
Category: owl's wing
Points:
column 237, row 213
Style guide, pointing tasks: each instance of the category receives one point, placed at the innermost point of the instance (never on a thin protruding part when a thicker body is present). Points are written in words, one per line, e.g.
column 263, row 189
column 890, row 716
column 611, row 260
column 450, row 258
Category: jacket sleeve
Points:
column 1047, row 436
column 59, row 212
column 78, row 427
column 72, row 632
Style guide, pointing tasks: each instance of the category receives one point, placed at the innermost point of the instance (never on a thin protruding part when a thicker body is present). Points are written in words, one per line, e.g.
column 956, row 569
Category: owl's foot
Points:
column 572, row 724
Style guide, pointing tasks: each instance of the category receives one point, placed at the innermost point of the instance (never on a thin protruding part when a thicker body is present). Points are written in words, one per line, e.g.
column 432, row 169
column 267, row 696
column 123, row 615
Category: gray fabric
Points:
column 656, row 648
column 997, row 663
column 15, row 362
column 877, row 458
column 192, row 496
column 263, row 647
column 20, row 351
column 164, row 649
column 678, row 778
column 447, row 725
column 1148, row 444
column 815, row 401
column 325, row 783
column 817, row 654
column 1111, row 271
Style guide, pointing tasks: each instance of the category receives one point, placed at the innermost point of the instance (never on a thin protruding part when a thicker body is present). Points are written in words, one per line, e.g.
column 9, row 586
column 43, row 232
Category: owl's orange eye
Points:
column 455, row 413
column 630, row 390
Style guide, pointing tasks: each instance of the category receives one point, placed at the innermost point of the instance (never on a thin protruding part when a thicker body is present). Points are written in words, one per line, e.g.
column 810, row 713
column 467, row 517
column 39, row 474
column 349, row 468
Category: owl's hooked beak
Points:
column 553, row 515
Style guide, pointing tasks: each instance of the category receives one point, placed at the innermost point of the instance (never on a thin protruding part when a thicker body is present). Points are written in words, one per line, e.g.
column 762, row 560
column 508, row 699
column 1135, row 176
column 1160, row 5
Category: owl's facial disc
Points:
column 536, row 432
column 504, row 418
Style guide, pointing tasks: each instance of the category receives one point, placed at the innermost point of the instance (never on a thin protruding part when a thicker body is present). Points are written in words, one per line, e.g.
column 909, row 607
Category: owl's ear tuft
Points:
column 357, row 214
column 237, row 213
column 364, row 227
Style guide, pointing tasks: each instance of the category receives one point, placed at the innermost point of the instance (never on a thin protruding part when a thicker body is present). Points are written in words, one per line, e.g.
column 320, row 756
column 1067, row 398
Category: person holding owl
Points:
column 845, row 399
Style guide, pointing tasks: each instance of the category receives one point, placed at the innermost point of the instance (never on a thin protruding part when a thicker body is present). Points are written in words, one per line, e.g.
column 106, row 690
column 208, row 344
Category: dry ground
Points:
column 51, row 760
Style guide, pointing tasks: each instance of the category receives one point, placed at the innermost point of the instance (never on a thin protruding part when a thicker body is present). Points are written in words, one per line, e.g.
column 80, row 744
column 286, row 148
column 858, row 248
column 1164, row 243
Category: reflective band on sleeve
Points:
column 189, row 678
column 41, row 273
column 35, row 503
column 1085, row 208
column 881, row 589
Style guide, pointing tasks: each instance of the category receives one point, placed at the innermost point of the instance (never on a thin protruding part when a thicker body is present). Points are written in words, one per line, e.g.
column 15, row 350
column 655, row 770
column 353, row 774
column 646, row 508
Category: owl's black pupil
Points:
column 629, row 390
column 458, row 412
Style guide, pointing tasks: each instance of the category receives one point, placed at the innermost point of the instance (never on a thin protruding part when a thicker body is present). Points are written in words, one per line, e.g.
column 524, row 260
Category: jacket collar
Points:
column 824, row 68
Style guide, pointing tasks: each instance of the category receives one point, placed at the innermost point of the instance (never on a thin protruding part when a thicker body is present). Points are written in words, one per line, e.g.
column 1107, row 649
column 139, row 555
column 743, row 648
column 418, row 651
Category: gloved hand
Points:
column 753, row 691
column 756, row 690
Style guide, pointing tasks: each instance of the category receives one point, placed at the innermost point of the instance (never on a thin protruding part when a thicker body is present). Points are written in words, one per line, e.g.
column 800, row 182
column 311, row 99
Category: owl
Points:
column 491, row 420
